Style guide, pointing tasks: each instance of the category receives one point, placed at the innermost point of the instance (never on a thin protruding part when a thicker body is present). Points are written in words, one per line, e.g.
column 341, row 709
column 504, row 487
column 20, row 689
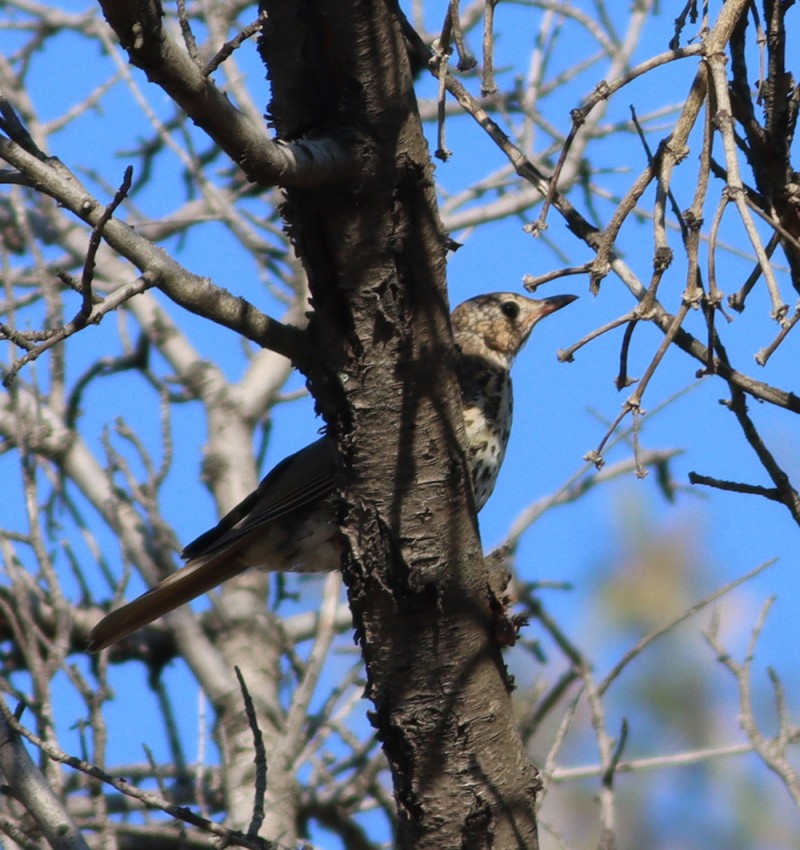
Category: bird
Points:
column 287, row 522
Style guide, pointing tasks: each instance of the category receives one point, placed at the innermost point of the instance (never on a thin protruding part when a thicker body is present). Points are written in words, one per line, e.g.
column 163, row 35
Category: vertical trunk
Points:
column 383, row 376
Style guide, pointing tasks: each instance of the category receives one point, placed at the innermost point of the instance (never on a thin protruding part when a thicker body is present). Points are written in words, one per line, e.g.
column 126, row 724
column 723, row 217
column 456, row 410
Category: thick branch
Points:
column 25, row 782
column 309, row 162
column 188, row 290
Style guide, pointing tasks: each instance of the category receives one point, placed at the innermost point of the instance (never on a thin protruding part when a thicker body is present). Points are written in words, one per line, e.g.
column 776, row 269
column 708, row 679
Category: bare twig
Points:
column 152, row 800
column 260, row 758
column 642, row 644
column 488, row 84
column 772, row 751
column 235, row 43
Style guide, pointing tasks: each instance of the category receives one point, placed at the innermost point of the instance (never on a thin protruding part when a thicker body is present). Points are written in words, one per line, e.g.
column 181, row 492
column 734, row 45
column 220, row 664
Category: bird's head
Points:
column 497, row 325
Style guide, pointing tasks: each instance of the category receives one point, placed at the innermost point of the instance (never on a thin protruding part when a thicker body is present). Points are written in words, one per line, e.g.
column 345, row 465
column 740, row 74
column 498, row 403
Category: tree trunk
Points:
column 382, row 373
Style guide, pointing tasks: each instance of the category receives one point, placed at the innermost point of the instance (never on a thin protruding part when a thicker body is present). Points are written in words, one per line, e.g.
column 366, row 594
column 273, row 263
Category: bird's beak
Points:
column 544, row 307
column 555, row 302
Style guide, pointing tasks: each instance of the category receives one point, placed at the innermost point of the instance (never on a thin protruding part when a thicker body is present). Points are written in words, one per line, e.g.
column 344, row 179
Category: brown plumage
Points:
column 287, row 522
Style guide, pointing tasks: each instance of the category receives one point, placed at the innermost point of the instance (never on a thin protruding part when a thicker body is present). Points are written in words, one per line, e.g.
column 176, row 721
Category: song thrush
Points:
column 287, row 522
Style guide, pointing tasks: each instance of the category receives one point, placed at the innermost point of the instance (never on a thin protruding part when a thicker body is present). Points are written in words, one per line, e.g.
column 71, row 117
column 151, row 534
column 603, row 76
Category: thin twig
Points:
column 763, row 355
column 234, row 44
column 642, row 644
column 532, row 283
column 488, row 84
column 181, row 813
column 260, row 758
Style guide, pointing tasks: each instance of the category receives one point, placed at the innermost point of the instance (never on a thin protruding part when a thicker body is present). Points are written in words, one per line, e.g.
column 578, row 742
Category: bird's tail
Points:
column 198, row 577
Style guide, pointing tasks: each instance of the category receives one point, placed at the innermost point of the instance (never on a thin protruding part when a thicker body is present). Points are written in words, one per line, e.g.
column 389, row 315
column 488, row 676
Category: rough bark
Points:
column 375, row 256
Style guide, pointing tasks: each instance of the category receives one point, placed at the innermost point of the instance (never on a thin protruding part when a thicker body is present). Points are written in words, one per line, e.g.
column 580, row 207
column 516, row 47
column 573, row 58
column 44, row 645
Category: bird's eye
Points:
column 510, row 309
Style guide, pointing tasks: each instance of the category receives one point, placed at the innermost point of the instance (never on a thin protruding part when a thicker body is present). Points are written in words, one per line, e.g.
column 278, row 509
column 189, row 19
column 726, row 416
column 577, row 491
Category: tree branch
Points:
column 308, row 163
column 188, row 290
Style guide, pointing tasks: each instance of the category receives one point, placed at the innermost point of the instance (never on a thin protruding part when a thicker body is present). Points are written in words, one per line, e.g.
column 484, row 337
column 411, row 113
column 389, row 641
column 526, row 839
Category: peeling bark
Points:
column 382, row 374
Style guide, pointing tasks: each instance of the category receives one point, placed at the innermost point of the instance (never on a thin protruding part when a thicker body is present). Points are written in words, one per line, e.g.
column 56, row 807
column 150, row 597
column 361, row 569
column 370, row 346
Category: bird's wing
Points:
column 298, row 480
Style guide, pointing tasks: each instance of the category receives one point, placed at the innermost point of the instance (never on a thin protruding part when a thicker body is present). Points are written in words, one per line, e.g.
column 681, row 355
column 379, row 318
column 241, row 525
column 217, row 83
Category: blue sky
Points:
column 560, row 407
